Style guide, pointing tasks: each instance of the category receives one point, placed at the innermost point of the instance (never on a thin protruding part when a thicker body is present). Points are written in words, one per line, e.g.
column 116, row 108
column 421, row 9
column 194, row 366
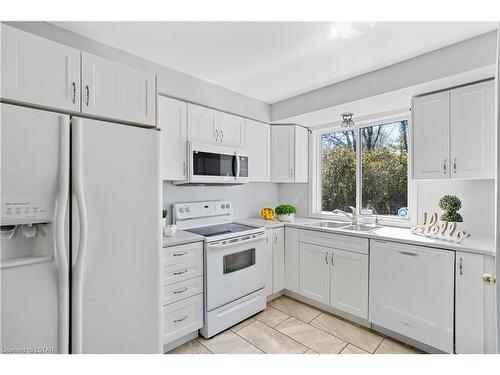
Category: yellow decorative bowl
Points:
column 267, row 213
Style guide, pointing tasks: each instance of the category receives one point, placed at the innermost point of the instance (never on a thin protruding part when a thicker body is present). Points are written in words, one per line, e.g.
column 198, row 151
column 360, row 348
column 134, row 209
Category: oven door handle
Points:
column 229, row 244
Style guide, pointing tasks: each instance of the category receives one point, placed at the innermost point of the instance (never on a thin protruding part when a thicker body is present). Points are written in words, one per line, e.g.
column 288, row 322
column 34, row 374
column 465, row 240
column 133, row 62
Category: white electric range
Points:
column 234, row 263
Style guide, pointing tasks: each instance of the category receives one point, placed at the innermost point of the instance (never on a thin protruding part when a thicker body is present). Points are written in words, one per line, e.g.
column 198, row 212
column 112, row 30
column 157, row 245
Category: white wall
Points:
column 171, row 82
column 247, row 199
column 478, row 201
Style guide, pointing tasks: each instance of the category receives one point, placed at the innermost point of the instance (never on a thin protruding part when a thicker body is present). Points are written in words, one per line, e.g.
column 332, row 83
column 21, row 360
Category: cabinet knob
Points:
column 489, row 279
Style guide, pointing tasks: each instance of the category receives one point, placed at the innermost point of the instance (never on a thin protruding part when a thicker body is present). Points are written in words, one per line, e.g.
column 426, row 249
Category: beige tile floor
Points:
column 287, row 326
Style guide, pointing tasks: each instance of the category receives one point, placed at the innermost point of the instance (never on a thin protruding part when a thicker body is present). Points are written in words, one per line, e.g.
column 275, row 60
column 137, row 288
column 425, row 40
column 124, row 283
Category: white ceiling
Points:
column 272, row 61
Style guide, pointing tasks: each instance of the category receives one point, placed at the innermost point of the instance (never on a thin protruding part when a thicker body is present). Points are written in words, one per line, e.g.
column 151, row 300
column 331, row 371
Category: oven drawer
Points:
column 182, row 271
column 336, row 241
column 175, row 292
column 181, row 253
column 182, row 318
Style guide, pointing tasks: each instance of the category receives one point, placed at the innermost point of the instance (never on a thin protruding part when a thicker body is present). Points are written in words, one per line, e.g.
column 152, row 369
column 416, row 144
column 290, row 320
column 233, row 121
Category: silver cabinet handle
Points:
column 74, row 92
column 326, row 257
column 267, row 240
column 461, row 266
column 180, row 272
column 221, row 135
column 444, row 165
column 180, row 320
column 275, row 238
column 331, row 260
column 179, row 254
column 184, row 169
column 180, row 291
column 455, row 165
column 216, row 135
column 87, row 99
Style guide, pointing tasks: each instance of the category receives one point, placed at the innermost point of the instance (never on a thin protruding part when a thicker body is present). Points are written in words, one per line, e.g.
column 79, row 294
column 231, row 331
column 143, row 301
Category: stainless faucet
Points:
column 353, row 216
column 377, row 220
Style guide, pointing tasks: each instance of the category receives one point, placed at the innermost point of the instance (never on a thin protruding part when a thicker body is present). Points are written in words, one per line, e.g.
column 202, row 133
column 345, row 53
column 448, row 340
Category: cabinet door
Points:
column 117, row 91
column 349, row 282
column 292, row 259
column 232, row 130
column 282, row 153
column 300, row 170
column 473, row 131
column 269, row 262
column 278, row 259
column 39, row 71
column 431, row 136
column 469, row 304
column 203, row 124
column 314, row 273
column 258, row 150
column 172, row 119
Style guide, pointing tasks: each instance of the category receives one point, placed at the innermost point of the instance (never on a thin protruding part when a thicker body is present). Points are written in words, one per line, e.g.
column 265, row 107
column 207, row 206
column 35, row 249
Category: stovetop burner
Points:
column 219, row 229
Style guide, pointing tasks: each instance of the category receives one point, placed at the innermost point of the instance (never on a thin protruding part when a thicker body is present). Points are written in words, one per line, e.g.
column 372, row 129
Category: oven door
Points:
column 234, row 269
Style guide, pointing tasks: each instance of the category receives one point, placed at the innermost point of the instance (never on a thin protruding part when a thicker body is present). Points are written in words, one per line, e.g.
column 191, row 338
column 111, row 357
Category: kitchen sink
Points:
column 360, row 227
column 329, row 224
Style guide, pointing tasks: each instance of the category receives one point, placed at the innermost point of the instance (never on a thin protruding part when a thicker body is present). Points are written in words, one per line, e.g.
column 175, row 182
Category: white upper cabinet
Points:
column 39, row 71
column 453, row 133
column 289, row 153
column 431, row 140
column 258, row 150
column 232, row 130
column 203, row 124
column 172, row 120
column 209, row 126
column 117, row 91
column 473, row 131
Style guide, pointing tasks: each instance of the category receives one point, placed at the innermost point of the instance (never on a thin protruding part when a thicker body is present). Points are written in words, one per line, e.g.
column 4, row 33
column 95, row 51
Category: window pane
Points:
column 338, row 155
column 384, row 162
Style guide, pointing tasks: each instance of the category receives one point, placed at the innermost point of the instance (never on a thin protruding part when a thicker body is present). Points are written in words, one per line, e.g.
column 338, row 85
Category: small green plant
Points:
column 164, row 213
column 450, row 204
column 285, row 209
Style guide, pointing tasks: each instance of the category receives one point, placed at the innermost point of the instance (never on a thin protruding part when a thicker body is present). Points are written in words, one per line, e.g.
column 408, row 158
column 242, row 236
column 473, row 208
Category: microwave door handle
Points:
column 237, row 166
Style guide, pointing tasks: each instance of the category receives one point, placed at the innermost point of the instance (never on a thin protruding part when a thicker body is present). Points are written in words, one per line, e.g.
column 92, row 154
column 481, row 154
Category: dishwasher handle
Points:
column 408, row 253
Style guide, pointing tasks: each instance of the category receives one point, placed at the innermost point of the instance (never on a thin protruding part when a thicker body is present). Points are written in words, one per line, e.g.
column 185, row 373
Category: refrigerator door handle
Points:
column 79, row 269
column 61, row 253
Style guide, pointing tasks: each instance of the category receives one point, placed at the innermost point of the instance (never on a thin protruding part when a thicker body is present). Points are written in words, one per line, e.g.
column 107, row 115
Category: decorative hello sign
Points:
column 446, row 231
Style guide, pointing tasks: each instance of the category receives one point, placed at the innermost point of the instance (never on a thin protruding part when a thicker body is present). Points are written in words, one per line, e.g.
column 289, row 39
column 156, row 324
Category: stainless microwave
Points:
column 215, row 165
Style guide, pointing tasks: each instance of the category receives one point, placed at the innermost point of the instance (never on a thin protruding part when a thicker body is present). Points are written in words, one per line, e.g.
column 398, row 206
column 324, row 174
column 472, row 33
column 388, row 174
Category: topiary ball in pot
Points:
column 285, row 212
column 450, row 204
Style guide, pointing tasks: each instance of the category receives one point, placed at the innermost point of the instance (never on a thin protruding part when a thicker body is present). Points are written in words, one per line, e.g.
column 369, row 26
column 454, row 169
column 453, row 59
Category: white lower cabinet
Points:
column 335, row 276
column 275, row 252
column 292, row 259
column 349, row 282
column 474, row 305
column 314, row 278
column 182, row 290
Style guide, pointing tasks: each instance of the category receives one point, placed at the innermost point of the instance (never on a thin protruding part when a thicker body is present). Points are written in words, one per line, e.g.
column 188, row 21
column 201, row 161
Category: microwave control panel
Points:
column 243, row 166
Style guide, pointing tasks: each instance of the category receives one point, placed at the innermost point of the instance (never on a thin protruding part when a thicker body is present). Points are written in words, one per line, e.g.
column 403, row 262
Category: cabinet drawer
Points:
column 182, row 318
column 175, row 292
column 336, row 241
column 181, row 253
column 182, row 271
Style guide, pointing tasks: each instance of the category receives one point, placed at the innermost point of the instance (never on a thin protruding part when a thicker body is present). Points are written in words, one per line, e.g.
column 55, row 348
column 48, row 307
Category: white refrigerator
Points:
column 80, row 235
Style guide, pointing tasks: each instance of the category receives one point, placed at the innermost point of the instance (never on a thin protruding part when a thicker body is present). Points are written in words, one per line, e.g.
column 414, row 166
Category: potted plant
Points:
column 285, row 212
column 450, row 204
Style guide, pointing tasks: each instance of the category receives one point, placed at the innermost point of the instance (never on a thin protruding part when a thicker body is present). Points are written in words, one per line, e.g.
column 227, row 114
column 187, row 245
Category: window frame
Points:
column 315, row 195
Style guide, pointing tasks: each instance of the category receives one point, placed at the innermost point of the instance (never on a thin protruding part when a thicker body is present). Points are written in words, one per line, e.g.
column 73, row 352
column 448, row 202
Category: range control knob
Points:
column 181, row 209
column 227, row 206
column 188, row 209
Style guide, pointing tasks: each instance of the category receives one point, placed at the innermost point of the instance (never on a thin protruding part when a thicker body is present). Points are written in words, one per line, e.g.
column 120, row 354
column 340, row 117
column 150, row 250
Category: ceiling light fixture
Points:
column 347, row 121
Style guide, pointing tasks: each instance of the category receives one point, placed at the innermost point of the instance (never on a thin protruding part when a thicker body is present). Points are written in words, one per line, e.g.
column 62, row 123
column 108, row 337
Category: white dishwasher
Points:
column 411, row 292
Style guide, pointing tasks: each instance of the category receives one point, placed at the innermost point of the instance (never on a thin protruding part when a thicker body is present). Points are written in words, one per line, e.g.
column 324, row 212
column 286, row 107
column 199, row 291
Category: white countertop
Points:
column 181, row 237
column 485, row 246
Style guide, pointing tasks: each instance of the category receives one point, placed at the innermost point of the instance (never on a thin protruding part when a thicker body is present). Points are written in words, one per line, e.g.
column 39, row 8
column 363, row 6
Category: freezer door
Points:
column 116, row 238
